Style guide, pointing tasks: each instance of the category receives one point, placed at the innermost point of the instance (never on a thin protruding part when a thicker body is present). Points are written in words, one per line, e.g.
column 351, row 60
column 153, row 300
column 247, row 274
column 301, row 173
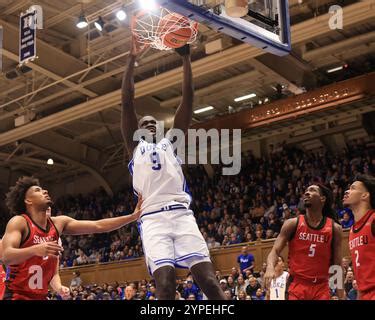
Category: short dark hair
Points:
column 15, row 198
column 369, row 183
column 328, row 210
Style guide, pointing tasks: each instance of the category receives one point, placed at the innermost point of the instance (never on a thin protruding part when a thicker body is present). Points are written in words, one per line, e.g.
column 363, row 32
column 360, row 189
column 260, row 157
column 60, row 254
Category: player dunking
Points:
column 30, row 242
column 360, row 198
column 168, row 228
column 314, row 245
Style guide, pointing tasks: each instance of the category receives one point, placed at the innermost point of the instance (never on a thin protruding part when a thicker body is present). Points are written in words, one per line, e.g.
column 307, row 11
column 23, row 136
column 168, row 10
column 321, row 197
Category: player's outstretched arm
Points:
column 337, row 254
column 286, row 233
column 184, row 113
column 69, row 225
column 56, row 285
column 13, row 254
column 129, row 123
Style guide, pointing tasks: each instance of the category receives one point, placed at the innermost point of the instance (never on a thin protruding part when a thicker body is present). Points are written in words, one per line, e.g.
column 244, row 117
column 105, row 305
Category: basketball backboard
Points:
column 266, row 24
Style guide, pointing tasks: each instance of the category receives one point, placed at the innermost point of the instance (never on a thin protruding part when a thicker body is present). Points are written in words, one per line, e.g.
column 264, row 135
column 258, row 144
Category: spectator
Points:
column 223, row 284
column 76, row 281
column 228, row 294
column 347, row 221
column 191, row 288
column 231, row 285
column 252, row 288
column 353, row 293
column 191, row 297
column 241, row 285
column 234, row 273
column 348, row 283
column 241, row 295
column 345, row 264
column 245, row 260
column 259, row 295
column 151, row 292
column 130, row 293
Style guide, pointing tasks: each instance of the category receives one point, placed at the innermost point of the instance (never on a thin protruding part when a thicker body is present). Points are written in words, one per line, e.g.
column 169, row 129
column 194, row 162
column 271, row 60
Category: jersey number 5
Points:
column 312, row 250
column 36, row 280
column 155, row 159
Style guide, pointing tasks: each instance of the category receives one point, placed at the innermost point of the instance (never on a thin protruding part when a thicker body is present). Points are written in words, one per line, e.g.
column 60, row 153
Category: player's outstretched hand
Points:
column 137, row 211
column 46, row 249
column 269, row 276
column 183, row 51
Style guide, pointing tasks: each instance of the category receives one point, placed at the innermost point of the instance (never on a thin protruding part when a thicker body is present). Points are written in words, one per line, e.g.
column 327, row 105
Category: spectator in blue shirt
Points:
column 259, row 295
column 191, row 288
column 353, row 293
column 246, row 261
column 346, row 218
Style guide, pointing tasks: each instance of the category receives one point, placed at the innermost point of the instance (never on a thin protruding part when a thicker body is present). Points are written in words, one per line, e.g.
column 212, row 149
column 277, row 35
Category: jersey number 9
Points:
column 155, row 159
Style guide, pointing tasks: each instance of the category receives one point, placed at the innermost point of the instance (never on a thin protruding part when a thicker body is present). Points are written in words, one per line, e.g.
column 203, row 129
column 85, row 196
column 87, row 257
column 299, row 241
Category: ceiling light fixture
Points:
column 203, row 109
column 82, row 22
column 121, row 14
column 99, row 24
column 248, row 96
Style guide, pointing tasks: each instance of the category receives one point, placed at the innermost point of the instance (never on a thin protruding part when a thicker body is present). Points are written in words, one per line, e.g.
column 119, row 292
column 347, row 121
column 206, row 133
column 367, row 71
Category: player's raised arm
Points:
column 129, row 123
column 286, row 233
column 69, row 225
column 184, row 113
column 13, row 254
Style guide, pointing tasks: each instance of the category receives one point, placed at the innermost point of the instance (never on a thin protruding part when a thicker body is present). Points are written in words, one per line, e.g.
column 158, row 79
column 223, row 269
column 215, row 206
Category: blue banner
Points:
column 27, row 45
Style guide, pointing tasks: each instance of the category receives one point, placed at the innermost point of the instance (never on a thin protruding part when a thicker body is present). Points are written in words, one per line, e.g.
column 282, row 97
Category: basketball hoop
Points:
column 157, row 29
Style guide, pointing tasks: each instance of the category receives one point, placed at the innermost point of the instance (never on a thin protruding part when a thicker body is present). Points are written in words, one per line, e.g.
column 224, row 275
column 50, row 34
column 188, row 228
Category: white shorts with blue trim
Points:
column 171, row 237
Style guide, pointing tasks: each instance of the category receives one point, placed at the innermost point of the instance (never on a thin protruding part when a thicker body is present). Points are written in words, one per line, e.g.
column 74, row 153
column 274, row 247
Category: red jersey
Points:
column 310, row 250
column 2, row 280
column 362, row 249
column 30, row 279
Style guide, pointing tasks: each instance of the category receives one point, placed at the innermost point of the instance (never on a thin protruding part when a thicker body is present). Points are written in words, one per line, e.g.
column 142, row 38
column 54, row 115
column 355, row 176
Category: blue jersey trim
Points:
column 167, row 208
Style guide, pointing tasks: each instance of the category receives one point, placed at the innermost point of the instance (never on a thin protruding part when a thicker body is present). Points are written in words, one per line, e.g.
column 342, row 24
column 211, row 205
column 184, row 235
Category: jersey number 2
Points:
column 357, row 264
column 36, row 280
column 155, row 159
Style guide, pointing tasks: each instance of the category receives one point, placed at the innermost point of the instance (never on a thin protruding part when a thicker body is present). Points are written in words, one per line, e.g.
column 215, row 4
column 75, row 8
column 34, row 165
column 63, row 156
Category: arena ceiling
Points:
column 72, row 91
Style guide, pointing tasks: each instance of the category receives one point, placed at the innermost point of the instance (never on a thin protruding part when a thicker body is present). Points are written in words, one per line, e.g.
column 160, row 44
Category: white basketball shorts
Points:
column 172, row 237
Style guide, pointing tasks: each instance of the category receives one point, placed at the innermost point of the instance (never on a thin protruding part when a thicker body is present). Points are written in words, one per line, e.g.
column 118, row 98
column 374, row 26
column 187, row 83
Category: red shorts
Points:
column 305, row 290
column 367, row 295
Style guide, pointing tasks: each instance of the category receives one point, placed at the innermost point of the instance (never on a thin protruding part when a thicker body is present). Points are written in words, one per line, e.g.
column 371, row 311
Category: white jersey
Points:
column 278, row 286
column 158, row 177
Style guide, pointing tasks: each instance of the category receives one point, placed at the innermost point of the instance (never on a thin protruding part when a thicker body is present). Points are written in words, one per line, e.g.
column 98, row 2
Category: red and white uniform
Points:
column 310, row 252
column 30, row 279
column 362, row 249
column 2, row 281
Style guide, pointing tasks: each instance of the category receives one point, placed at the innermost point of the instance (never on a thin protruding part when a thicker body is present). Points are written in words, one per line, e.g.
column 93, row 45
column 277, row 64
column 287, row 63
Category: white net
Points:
column 150, row 27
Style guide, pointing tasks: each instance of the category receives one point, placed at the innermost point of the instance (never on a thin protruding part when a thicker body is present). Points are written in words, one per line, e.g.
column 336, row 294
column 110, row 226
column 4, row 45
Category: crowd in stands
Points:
column 250, row 206
column 240, row 284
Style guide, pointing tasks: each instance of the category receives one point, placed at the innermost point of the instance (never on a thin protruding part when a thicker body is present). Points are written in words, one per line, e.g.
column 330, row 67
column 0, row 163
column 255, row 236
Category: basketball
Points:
column 175, row 30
